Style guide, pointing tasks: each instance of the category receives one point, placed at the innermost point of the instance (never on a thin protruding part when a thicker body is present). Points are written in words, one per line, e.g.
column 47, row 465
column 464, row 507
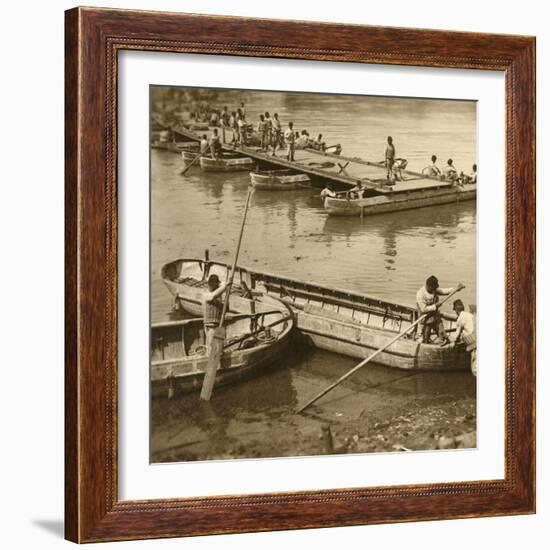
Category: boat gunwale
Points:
column 330, row 290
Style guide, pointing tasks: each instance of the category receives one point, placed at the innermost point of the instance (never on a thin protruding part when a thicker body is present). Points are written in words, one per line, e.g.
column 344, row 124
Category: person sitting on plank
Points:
column 469, row 178
column 427, row 299
column 303, row 140
column 432, row 170
column 450, row 172
column 466, row 331
column 398, row 166
column 327, row 192
column 358, row 191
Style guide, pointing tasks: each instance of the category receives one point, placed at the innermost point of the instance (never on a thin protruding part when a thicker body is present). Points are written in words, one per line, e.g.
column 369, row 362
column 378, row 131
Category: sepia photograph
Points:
column 313, row 274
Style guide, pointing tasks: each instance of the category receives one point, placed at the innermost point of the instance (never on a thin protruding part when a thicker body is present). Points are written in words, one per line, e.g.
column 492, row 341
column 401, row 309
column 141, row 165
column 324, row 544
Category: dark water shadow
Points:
column 55, row 527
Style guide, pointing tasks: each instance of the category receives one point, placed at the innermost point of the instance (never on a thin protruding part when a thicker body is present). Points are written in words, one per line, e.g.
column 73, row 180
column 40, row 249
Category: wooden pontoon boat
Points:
column 345, row 204
column 227, row 163
column 279, row 180
column 336, row 320
column 252, row 343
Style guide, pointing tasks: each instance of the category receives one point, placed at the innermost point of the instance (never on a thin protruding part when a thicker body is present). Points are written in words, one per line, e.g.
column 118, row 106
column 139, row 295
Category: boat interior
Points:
column 186, row 338
column 314, row 299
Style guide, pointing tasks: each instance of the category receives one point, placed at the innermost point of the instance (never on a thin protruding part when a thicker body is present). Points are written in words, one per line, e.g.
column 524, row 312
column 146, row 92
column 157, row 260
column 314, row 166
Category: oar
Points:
column 216, row 348
column 373, row 355
column 199, row 155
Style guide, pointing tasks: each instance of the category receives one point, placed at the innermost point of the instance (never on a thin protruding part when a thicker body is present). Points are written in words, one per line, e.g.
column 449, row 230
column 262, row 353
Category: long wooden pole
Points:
column 373, row 355
column 216, row 348
column 199, row 155
column 236, row 259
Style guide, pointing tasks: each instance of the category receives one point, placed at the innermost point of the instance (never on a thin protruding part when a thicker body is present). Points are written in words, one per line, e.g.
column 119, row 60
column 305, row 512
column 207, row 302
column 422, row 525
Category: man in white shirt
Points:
column 290, row 139
column 327, row 192
column 450, row 172
column 466, row 332
column 432, row 169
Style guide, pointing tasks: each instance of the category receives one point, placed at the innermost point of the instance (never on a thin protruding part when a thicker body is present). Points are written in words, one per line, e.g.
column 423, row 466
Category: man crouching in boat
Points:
column 466, row 331
column 212, row 307
column 427, row 299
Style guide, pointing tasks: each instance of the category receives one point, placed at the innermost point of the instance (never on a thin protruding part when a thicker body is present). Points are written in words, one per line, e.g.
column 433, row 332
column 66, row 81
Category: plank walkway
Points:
column 346, row 171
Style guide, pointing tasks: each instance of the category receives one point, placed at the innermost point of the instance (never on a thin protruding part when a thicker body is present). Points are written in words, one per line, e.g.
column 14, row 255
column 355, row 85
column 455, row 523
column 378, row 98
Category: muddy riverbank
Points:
column 378, row 410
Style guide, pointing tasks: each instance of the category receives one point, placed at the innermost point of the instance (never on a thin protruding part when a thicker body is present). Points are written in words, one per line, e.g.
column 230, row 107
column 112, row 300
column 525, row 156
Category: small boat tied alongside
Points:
column 336, row 320
column 279, row 180
column 227, row 162
column 253, row 342
column 401, row 197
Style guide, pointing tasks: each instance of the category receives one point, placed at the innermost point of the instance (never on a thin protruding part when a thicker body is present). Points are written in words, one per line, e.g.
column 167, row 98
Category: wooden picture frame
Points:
column 93, row 39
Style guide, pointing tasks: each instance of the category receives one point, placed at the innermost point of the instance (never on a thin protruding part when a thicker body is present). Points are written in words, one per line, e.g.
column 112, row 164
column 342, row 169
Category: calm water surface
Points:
column 288, row 233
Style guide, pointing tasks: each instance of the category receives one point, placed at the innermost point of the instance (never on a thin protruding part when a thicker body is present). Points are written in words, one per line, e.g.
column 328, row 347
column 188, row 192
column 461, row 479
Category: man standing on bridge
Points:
column 389, row 158
column 290, row 138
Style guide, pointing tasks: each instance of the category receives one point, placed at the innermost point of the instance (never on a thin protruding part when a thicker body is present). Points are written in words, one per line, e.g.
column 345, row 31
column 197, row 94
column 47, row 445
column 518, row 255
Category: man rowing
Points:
column 427, row 299
column 212, row 307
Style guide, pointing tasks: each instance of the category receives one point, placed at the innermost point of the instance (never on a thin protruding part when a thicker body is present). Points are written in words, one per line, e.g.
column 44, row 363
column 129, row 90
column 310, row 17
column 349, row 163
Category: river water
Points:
column 288, row 233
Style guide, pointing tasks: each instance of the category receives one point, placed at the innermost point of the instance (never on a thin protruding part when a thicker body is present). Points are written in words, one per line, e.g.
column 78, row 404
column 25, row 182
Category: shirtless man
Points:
column 427, row 299
column 389, row 157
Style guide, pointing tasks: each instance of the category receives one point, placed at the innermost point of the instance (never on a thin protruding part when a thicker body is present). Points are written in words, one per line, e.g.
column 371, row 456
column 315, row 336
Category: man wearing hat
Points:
column 212, row 307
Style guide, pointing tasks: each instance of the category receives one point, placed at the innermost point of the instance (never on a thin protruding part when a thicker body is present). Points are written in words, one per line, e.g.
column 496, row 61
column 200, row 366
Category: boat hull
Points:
column 178, row 349
column 238, row 164
column 396, row 202
column 189, row 156
column 278, row 182
column 187, row 375
column 356, row 340
column 357, row 333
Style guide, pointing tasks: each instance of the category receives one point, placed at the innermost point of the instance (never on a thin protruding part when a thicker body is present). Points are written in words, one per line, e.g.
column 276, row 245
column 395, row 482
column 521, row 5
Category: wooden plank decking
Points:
column 347, row 171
